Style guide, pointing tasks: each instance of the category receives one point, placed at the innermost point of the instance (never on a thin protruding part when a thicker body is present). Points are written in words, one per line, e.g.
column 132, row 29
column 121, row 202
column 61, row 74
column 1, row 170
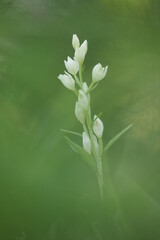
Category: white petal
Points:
column 85, row 87
column 71, row 66
column 75, row 41
column 83, row 100
column 96, row 145
column 98, row 72
column 86, row 142
column 81, row 52
column 80, row 114
column 67, row 81
column 98, row 127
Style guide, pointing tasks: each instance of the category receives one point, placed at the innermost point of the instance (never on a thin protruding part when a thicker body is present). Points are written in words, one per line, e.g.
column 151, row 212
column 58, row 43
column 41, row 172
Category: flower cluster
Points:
column 92, row 125
column 72, row 79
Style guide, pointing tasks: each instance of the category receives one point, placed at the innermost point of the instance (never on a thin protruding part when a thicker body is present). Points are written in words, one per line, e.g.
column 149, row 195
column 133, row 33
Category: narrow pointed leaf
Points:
column 86, row 157
column 71, row 132
column 114, row 139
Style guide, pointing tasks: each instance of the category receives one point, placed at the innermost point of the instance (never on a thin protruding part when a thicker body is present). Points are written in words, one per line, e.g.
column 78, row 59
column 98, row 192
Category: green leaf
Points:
column 71, row 132
column 114, row 139
column 86, row 157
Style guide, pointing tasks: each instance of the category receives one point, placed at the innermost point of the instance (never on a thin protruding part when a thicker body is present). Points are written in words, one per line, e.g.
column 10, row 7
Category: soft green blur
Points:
column 47, row 192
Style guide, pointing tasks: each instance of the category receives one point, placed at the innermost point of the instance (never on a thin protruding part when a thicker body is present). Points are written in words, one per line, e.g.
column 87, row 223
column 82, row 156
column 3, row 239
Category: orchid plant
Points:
column 92, row 150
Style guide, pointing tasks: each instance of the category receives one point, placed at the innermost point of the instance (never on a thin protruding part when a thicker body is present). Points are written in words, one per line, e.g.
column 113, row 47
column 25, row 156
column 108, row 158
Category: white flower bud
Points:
column 98, row 72
column 85, row 87
column 75, row 41
column 67, row 81
column 80, row 52
column 83, row 100
column 79, row 112
column 96, row 145
column 86, row 142
column 84, row 47
column 72, row 66
column 98, row 127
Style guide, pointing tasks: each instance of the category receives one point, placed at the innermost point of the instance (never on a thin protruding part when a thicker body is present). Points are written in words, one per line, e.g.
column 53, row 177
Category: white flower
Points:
column 75, row 41
column 85, row 87
column 79, row 112
column 72, row 66
column 86, row 142
column 83, row 100
column 98, row 72
column 67, row 81
column 80, row 52
column 96, row 145
column 98, row 127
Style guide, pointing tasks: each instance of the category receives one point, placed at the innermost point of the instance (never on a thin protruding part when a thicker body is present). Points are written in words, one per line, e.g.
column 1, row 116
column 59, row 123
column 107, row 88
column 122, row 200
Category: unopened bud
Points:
column 75, row 41
column 80, row 52
column 98, row 127
column 72, row 66
column 98, row 72
column 83, row 100
column 96, row 145
column 86, row 142
column 79, row 112
column 85, row 87
column 67, row 81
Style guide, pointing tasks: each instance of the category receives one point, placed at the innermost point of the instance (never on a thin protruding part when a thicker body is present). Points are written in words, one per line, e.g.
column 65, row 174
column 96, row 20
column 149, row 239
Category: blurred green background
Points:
column 47, row 192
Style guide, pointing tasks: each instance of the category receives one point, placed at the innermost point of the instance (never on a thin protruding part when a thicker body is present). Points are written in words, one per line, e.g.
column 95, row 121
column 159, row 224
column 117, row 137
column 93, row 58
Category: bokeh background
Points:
column 46, row 191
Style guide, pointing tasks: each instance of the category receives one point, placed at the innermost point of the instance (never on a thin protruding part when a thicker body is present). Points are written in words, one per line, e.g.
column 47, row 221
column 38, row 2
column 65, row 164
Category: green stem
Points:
column 77, row 81
column 100, row 176
column 90, row 87
column 101, row 146
column 87, row 129
column 97, row 157
column 76, row 92
column 80, row 74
